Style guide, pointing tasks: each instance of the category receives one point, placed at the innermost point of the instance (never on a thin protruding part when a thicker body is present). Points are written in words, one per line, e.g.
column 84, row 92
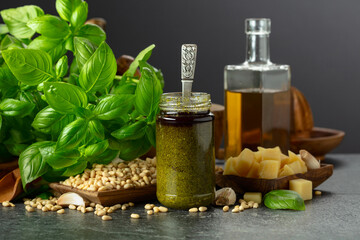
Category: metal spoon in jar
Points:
column 188, row 62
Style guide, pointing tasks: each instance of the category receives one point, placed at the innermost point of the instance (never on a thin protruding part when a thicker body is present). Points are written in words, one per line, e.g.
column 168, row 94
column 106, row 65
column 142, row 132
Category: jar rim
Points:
column 174, row 101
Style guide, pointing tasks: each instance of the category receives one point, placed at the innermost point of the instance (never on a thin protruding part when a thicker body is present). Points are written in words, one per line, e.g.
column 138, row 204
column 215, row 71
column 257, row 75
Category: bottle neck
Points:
column 258, row 48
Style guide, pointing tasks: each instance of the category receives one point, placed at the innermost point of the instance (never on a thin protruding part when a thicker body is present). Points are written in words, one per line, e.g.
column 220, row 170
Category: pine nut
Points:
column 29, row 209
column 241, row 208
column 131, row 204
column 150, row 212
column 101, row 213
column 256, row 205
column 72, row 207
column 123, row 207
column 202, row 209
column 163, row 209
column 61, row 211
column 148, row 206
column 106, row 218
column 6, row 204
column 235, row 210
column 135, row 215
column 226, row 208
column 156, row 209
column 89, row 209
column 318, row 193
column 193, row 210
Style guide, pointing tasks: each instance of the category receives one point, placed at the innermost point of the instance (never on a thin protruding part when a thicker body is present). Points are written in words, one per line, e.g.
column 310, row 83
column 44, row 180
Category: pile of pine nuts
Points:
column 115, row 176
column 43, row 205
column 8, row 204
column 51, row 205
column 151, row 209
column 243, row 205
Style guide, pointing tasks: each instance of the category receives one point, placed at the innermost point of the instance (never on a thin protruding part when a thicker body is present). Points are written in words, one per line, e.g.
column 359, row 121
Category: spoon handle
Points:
column 188, row 62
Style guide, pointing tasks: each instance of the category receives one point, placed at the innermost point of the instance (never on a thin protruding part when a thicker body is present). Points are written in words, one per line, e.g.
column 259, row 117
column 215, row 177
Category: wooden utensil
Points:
column 242, row 184
column 10, row 185
column 111, row 197
column 320, row 142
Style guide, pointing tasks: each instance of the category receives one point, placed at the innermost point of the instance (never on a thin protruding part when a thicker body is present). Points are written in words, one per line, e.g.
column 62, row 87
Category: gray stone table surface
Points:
column 333, row 215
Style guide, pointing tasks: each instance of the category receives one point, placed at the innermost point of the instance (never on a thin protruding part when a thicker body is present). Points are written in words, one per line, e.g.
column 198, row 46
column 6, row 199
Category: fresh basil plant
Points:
column 58, row 116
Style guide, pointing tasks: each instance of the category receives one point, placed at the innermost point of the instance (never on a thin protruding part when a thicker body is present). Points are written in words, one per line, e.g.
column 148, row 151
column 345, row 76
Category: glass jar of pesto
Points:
column 185, row 151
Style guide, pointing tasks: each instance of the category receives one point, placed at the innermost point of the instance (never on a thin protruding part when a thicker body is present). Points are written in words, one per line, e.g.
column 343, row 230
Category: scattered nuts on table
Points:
column 150, row 212
column 318, row 193
column 61, row 211
column 226, row 208
column 118, row 176
column 135, row 215
column 163, row 209
column 202, row 209
column 193, row 210
column 106, row 218
column 29, row 209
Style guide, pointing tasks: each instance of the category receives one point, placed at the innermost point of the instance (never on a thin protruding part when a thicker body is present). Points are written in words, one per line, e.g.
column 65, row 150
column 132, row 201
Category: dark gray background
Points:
column 320, row 40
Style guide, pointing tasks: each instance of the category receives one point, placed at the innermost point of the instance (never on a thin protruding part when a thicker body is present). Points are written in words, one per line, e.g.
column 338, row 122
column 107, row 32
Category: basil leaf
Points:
column 29, row 66
column 69, row 43
column 31, row 163
column 7, row 79
column 84, row 49
column 284, row 199
column 148, row 92
column 16, row 108
column 150, row 132
column 75, row 169
column 64, row 97
column 96, row 149
column 92, row 32
column 127, row 88
column 59, row 159
column 17, row 18
column 54, row 47
column 62, row 67
column 158, row 74
column 16, row 148
column 96, row 129
column 99, row 71
column 10, row 42
column 65, row 8
column 54, row 175
column 106, row 157
column 46, row 119
column 79, row 16
column 131, row 132
column 3, row 29
column 144, row 55
column 33, row 97
column 50, row 26
column 72, row 135
column 114, row 106
column 134, row 148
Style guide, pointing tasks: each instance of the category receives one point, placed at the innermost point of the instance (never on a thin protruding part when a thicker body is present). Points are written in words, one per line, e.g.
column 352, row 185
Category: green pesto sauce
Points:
column 185, row 160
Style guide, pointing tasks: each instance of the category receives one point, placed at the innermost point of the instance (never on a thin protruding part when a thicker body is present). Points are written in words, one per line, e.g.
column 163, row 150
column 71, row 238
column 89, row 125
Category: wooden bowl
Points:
column 111, row 197
column 241, row 184
column 320, row 142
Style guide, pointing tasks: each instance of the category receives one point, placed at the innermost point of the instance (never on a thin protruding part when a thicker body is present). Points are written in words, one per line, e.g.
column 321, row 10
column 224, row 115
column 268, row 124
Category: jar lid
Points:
column 175, row 102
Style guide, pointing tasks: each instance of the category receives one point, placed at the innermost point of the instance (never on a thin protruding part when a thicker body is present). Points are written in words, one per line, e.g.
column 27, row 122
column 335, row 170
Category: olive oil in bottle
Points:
column 257, row 96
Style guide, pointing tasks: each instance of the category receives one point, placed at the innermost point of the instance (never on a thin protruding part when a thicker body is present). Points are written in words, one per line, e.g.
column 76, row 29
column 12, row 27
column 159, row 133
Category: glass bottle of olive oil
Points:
column 257, row 96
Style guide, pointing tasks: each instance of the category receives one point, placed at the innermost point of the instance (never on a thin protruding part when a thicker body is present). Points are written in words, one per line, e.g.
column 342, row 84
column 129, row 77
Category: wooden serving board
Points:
column 111, row 197
column 242, row 184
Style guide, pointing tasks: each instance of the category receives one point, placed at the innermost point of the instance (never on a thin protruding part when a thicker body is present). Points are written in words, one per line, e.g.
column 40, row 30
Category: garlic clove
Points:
column 225, row 196
column 71, row 198
column 310, row 161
